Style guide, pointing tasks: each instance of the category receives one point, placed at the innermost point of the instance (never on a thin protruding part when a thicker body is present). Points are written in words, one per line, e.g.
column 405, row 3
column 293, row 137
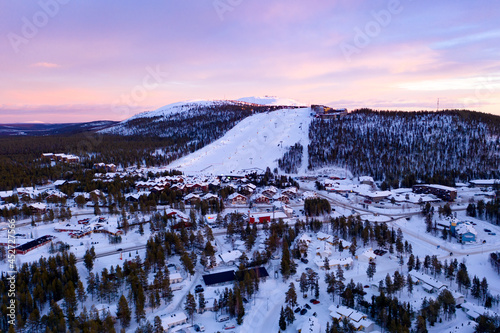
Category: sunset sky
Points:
column 73, row 61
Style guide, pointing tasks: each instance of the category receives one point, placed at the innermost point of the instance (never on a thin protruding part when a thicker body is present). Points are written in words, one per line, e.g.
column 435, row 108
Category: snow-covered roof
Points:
column 485, row 181
column 334, row 262
column 429, row 280
column 376, row 194
column 38, row 205
column 305, row 237
column 366, row 179
column 6, row 194
column 191, row 196
column 464, row 228
column 322, row 236
column 173, row 319
column 309, row 194
column 209, row 196
column 235, row 195
column 439, row 187
column 230, row 256
column 175, row 276
column 59, row 182
column 270, row 189
column 291, row 189
column 7, row 206
column 475, row 311
column 369, row 254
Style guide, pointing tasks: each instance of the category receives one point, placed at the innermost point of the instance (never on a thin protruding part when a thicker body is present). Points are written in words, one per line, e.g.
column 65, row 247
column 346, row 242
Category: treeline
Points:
column 316, row 207
column 292, row 159
column 401, row 147
column 140, row 141
column 489, row 211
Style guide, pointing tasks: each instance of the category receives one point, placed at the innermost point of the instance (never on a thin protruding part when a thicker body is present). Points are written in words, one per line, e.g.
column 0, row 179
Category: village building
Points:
column 444, row 192
column 428, row 283
column 237, row 199
column 357, row 319
column 210, row 197
column 261, row 199
column 464, row 232
column 282, row 198
column 34, row 244
column 218, row 279
column 172, row 320
column 192, row 199
column 231, row 257
column 270, row 191
column 175, row 277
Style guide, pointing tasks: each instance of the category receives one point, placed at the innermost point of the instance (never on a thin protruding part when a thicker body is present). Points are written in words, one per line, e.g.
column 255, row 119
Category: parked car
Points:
column 487, row 230
column 222, row 318
column 314, row 301
column 297, row 310
column 199, row 327
column 229, row 326
column 304, row 260
column 198, row 288
column 303, row 312
column 492, row 233
column 119, row 250
column 307, row 306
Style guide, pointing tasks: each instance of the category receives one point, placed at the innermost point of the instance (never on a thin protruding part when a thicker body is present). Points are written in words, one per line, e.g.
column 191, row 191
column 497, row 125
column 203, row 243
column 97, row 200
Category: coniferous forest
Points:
column 436, row 147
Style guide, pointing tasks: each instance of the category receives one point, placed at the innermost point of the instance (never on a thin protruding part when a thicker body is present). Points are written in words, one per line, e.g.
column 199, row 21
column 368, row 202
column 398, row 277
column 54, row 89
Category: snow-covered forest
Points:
column 437, row 147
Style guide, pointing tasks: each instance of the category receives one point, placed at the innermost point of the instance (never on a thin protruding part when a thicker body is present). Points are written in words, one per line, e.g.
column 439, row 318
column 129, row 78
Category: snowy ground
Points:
column 256, row 142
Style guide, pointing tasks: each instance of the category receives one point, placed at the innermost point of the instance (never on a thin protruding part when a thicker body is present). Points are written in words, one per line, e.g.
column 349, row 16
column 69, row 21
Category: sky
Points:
column 75, row 61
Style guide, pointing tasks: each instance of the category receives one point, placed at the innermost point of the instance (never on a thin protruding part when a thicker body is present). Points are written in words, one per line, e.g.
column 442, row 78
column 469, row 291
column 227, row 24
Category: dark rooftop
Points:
column 216, row 278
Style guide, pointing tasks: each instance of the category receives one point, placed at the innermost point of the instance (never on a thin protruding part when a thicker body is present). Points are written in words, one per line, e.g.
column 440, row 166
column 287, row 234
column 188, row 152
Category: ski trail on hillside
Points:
column 255, row 143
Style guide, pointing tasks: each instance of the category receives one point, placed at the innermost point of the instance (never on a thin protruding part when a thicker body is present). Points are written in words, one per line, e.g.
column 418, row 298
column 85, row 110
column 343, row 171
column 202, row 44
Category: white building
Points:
column 358, row 319
column 173, row 319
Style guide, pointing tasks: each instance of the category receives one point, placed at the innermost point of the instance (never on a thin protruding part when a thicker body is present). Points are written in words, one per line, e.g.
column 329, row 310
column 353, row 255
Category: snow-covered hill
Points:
column 165, row 113
column 256, row 142
column 271, row 100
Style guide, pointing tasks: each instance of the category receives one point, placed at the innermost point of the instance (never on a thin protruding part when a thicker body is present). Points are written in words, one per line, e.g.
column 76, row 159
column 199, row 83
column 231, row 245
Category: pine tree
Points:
column 291, row 295
column 123, row 312
column 140, row 302
column 411, row 262
column 484, row 288
column 70, row 300
column 201, row 302
column 82, row 296
column 190, row 306
column 289, row 315
column 353, row 247
column 282, row 320
column 158, row 327
column 88, row 259
column 303, row 285
column 285, row 261
column 371, row 270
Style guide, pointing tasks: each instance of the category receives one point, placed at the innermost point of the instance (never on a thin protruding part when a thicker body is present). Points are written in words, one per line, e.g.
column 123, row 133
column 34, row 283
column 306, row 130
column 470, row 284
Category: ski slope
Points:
column 256, row 142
